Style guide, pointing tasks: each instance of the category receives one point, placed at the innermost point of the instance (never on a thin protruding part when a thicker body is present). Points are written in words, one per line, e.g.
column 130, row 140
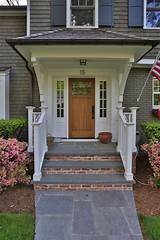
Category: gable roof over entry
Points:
column 96, row 36
column 92, row 39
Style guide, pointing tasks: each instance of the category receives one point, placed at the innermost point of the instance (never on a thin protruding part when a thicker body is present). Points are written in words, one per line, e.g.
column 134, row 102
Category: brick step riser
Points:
column 85, row 158
column 50, row 171
column 83, row 187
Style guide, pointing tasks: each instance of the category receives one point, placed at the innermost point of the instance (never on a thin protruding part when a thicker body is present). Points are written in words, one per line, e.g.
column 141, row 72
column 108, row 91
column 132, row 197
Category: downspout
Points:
column 28, row 32
column 28, row 18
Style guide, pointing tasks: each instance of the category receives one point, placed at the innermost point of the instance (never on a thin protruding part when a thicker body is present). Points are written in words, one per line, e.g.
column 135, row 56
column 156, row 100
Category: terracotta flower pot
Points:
column 105, row 137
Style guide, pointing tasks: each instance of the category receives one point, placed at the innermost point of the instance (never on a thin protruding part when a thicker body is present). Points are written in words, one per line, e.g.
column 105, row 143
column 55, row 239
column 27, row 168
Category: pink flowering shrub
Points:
column 153, row 151
column 13, row 163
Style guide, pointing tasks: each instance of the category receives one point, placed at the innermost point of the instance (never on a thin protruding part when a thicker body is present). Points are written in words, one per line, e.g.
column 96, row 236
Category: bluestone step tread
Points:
column 83, row 179
column 82, row 164
column 50, row 154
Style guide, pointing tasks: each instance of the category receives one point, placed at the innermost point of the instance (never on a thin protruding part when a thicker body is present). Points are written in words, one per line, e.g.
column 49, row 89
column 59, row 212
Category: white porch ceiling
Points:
column 94, row 52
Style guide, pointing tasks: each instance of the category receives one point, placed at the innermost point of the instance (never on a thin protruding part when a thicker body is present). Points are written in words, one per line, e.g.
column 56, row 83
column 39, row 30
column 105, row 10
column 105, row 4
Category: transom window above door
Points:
column 152, row 14
column 82, row 13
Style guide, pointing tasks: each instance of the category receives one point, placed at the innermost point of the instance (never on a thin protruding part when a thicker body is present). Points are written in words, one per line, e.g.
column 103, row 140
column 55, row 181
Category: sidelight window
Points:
column 60, row 99
column 103, row 99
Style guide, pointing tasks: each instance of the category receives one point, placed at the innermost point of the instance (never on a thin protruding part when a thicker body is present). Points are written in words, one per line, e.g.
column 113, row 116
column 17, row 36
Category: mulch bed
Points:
column 17, row 199
column 147, row 197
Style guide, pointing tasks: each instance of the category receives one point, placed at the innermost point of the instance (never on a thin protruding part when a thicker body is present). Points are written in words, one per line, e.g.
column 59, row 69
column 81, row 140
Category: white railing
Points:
column 37, row 140
column 127, row 139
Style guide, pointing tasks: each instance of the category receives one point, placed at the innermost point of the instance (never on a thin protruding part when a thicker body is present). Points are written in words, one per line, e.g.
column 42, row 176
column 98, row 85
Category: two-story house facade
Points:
column 82, row 64
column 90, row 57
column 73, row 31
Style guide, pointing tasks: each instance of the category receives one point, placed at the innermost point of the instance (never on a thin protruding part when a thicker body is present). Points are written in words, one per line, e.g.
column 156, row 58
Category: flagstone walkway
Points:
column 78, row 215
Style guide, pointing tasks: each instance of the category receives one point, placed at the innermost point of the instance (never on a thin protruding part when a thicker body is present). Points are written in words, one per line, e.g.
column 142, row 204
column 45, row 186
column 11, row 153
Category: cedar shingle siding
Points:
column 40, row 15
column 20, row 79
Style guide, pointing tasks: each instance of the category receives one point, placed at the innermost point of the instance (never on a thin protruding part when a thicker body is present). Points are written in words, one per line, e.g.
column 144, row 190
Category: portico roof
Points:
column 80, row 36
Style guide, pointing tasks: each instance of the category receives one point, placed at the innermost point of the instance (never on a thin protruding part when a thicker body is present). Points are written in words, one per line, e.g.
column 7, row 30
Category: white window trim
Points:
column 153, row 92
column 144, row 18
column 4, row 94
column 68, row 16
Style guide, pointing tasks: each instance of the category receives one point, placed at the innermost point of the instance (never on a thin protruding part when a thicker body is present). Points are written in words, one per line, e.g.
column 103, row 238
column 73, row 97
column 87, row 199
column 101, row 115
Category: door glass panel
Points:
column 81, row 88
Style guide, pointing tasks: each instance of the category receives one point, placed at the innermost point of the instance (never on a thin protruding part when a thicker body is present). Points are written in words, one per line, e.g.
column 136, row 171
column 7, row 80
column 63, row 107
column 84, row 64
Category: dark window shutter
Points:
column 105, row 12
column 135, row 13
column 58, row 12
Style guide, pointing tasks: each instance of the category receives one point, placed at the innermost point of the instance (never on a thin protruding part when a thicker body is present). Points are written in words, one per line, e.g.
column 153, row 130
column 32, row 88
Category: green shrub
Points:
column 152, row 130
column 157, row 182
column 13, row 128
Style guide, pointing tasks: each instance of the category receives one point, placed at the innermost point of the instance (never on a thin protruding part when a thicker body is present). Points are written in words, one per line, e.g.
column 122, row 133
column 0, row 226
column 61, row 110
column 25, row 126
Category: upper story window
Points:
column 156, row 93
column 82, row 13
column 152, row 14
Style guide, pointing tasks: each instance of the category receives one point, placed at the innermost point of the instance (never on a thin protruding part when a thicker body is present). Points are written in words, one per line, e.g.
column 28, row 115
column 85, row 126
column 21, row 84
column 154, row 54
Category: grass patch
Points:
column 151, row 227
column 16, row 226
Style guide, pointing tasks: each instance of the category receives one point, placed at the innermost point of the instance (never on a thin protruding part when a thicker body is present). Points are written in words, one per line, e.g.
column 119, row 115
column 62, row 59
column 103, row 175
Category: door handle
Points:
column 93, row 112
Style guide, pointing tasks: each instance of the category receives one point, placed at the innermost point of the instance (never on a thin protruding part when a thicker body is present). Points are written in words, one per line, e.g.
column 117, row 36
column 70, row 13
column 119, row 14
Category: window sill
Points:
column 151, row 28
column 156, row 107
column 82, row 27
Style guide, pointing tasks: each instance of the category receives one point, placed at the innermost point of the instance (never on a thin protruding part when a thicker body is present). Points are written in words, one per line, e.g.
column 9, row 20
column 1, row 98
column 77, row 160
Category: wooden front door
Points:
column 82, row 107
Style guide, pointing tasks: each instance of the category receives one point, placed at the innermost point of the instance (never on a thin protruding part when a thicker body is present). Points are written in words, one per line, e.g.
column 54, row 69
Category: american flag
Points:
column 155, row 72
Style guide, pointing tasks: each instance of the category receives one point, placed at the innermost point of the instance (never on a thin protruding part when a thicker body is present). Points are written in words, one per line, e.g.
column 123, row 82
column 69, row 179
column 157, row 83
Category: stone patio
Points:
column 79, row 215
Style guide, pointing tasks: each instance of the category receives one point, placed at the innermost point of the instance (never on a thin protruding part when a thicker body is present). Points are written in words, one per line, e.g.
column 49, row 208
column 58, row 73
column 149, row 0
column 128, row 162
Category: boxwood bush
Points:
column 152, row 130
column 13, row 128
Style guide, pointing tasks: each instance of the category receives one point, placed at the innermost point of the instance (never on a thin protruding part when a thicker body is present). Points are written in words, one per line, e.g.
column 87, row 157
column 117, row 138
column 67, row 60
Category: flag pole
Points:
column 149, row 74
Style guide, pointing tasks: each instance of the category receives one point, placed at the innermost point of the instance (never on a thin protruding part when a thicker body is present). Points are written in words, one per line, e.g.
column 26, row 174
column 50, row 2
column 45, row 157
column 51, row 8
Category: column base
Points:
column 128, row 176
column 37, row 176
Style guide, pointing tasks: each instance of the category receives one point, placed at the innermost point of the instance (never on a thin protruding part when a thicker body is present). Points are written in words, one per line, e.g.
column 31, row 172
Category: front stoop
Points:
column 91, row 173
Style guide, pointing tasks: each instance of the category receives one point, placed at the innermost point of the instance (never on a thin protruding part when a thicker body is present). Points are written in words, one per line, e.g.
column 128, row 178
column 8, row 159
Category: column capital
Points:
column 30, row 107
column 43, row 107
column 134, row 108
column 120, row 108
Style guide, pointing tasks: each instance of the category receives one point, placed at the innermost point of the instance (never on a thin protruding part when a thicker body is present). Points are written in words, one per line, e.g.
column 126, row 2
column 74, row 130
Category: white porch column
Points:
column 134, row 120
column 30, row 128
column 129, row 143
column 37, row 156
column 120, row 111
column 44, row 110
